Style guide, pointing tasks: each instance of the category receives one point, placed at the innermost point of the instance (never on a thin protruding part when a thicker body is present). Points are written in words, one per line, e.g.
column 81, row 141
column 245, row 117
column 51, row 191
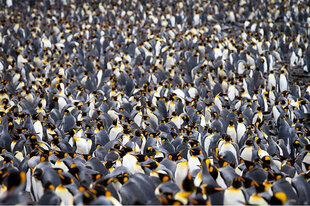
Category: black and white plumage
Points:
column 149, row 102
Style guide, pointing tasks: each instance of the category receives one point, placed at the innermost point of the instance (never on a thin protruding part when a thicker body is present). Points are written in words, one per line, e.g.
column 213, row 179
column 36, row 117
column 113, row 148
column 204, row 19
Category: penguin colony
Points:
column 154, row 102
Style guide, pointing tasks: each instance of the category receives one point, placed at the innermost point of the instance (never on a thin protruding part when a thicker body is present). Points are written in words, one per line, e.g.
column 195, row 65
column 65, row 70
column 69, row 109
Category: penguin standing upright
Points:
column 131, row 162
column 234, row 195
column 38, row 127
column 115, row 129
column 283, row 82
column 49, row 197
column 255, row 198
column 232, row 131
column 241, row 128
column 65, row 195
column 227, row 144
column 248, row 151
column 271, row 80
column 181, row 172
column 83, row 144
column 36, row 184
column 194, row 160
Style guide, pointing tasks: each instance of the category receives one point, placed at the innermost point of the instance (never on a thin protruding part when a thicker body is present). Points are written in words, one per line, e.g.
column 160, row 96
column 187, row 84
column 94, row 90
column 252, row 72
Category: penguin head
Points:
column 74, row 170
column 231, row 122
column 175, row 156
column 296, row 144
column 278, row 198
column 167, row 198
column 32, row 138
column 195, row 151
column 258, row 140
column 249, row 165
column 48, row 186
column 240, row 119
column 278, row 176
column 7, row 159
column 163, row 176
column 226, row 137
column 141, row 157
column 151, row 164
column 44, row 157
column 194, row 143
column 259, row 188
column 88, row 196
column 38, row 173
column 150, row 151
column 122, row 178
column 65, row 179
column 237, row 182
column 188, row 184
column 213, row 170
column 307, row 147
column 210, row 189
column 15, row 179
column 266, row 159
column 249, row 142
